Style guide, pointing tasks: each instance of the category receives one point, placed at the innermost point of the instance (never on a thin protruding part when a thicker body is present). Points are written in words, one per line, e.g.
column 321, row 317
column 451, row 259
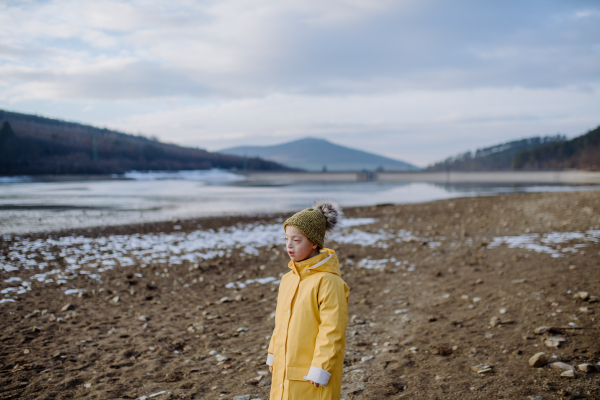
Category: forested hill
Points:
column 32, row 145
column 494, row 158
column 582, row 152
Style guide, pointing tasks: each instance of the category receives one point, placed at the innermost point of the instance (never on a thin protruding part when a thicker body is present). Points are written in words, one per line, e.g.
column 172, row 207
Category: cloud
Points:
column 234, row 48
column 416, row 126
column 420, row 79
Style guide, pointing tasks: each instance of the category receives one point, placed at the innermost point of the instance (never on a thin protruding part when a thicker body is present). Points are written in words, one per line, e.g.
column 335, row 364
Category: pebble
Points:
column 239, row 297
column 583, row 295
column 569, row 374
column 538, row 360
column 67, row 307
column 115, row 299
column 535, row 398
column 587, row 368
column 552, row 343
column 242, row 329
column 541, row 330
column 224, row 299
column 366, row 358
column 561, row 365
column 586, row 310
column 87, row 385
column 143, row 318
column 503, row 311
column 158, row 394
column 242, row 397
column 254, row 381
column 220, row 357
column 212, row 352
column 26, row 351
column 482, row 369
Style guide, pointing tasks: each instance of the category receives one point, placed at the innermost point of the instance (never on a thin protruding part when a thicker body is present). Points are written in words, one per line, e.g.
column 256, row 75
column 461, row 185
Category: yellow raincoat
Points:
column 310, row 330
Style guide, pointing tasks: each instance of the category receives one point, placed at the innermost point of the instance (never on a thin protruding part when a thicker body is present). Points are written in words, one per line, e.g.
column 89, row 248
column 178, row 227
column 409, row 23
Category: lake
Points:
column 28, row 206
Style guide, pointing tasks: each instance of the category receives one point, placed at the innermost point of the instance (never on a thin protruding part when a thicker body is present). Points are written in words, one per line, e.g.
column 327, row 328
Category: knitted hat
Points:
column 314, row 222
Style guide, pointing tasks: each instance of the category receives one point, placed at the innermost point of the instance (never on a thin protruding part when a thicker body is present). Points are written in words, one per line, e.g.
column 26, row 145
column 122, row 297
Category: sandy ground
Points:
column 436, row 289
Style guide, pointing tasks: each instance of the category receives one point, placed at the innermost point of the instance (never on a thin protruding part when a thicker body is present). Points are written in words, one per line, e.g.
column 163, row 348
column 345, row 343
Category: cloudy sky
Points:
column 414, row 80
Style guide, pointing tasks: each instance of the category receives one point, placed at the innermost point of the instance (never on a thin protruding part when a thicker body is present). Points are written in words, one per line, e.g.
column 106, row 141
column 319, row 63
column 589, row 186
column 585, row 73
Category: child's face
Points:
column 298, row 246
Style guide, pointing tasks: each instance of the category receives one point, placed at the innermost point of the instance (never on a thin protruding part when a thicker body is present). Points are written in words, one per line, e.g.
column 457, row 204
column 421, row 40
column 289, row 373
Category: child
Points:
column 306, row 353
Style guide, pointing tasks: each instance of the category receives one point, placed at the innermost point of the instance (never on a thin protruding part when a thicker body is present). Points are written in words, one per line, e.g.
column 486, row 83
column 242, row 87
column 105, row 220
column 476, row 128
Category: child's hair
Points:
column 315, row 222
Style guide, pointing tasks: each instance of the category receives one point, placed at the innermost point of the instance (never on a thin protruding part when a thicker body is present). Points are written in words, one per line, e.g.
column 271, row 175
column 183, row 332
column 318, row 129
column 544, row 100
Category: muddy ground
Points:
column 447, row 297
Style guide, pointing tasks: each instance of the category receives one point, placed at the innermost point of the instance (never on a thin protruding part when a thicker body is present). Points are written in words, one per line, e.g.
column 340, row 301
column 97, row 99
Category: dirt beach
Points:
column 446, row 298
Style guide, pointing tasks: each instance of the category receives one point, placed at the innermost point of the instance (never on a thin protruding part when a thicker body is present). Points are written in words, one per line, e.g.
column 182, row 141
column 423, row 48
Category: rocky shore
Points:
column 472, row 298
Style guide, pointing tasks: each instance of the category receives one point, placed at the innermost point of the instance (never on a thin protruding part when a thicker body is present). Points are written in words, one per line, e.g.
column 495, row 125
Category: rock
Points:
column 26, row 351
column 552, row 343
column 503, row 311
column 519, row 280
column 535, row 398
column 542, row 329
column 586, row 310
column 569, row 374
column 220, row 358
column 224, row 299
column 494, row 322
column 572, row 267
column 143, row 318
column 67, row 307
column 583, row 295
column 239, row 297
column 245, row 396
column 242, row 329
column 561, row 365
column 366, row 358
column 157, row 394
column 413, row 349
column 87, row 385
column 36, row 329
column 431, row 319
column 212, row 352
column 538, row 360
column 115, row 299
column 482, row 368
column 587, row 368
column 254, row 381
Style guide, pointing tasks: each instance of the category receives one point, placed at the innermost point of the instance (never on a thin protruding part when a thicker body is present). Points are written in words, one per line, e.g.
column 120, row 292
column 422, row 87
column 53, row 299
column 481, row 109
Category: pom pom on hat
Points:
column 331, row 211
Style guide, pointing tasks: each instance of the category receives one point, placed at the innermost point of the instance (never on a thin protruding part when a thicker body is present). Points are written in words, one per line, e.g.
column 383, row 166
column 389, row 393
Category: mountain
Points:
column 582, row 152
column 495, row 158
column 313, row 154
column 31, row 145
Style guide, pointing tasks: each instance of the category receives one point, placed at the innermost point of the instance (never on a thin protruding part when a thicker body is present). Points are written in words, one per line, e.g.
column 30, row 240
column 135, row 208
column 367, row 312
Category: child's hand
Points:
column 270, row 368
column 315, row 383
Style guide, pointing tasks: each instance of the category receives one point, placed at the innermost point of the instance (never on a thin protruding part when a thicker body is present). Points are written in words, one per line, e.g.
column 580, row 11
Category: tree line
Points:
column 537, row 153
column 31, row 145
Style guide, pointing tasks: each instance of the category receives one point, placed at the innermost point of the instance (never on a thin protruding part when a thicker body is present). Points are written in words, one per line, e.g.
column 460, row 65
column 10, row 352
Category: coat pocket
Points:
column 296, row 373
column 300, row 388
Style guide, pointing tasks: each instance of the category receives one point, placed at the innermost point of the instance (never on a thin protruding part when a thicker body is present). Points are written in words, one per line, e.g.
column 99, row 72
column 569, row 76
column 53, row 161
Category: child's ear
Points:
column 314, row 246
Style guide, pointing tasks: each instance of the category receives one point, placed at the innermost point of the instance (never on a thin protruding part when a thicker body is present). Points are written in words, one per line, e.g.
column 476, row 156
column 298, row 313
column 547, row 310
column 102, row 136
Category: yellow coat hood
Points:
column 308, row 341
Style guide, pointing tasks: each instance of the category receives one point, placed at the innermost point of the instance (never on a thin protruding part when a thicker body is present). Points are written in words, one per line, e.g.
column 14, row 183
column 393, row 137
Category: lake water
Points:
column 29, row 206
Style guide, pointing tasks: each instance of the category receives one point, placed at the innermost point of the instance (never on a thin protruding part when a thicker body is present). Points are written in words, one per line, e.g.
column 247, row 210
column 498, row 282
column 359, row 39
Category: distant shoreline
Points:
column 569, row 177
column 574, row 177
